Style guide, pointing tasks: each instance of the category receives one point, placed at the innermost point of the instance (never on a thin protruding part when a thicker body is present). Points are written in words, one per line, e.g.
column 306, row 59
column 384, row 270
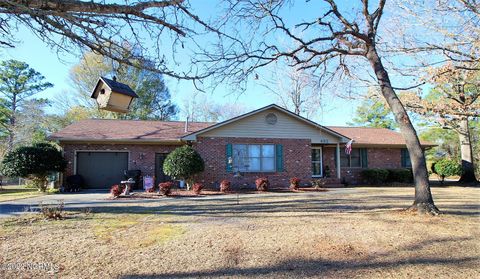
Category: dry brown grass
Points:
column 15, row 192
column 359, row 233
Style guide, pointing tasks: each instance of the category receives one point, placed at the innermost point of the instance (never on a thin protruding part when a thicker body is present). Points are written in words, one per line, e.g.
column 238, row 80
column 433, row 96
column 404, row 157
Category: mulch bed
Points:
column 184, row 193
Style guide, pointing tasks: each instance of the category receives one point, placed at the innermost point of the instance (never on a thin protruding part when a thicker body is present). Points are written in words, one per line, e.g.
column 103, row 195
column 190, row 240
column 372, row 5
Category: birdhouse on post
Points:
column 112, row 95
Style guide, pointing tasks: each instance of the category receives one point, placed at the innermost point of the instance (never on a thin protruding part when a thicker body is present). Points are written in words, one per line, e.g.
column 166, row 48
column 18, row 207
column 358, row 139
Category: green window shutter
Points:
column 279, row 157
column 405, row 158
column 229, row 155
column 364, row 157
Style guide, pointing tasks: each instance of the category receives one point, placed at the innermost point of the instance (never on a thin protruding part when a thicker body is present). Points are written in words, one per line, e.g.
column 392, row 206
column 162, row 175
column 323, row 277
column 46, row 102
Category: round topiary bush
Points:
column 34, row 162
column 183, row 163
column 446, row 167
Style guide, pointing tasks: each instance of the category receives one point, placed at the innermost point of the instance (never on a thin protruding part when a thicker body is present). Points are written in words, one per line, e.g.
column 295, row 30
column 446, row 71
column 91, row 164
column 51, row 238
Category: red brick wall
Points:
column 388, row 158
column 296, row 162
column 142, row 156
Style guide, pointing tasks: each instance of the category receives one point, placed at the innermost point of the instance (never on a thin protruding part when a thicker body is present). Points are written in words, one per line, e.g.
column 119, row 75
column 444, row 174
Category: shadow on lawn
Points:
column 352, row 264
column 299, row 268
column 250, row 206
column 227, row 207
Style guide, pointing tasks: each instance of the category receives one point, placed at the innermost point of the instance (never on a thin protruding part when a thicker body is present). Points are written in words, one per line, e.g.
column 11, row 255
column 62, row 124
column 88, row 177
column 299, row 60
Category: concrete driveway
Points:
column 83, row 199
column 100, row 201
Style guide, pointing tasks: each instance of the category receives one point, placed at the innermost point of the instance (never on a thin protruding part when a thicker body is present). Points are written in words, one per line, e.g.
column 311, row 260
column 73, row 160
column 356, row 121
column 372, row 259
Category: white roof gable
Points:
column 270, row 122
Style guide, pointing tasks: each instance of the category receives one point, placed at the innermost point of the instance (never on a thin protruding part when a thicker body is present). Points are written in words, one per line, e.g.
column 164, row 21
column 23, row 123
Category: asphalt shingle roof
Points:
column 131, row 130
column 106, row 129
column 372, row 136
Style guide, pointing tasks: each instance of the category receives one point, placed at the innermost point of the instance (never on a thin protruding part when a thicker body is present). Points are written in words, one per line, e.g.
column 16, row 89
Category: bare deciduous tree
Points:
column 452, row 103
column 197, row 106
column 295, row 89
column 152, row 27
column 434, row 31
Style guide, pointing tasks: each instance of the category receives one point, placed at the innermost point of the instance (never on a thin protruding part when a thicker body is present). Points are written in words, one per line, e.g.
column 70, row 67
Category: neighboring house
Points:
column 271, row 142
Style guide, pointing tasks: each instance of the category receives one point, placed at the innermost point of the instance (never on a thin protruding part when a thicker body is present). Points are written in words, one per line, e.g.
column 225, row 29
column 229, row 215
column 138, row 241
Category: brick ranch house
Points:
column 270, row 141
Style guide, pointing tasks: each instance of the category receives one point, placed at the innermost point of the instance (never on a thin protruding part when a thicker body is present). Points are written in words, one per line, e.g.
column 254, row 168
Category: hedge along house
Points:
column 269, row 142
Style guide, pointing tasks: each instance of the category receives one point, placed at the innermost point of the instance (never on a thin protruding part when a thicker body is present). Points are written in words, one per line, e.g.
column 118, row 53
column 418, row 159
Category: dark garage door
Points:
column 101, row 169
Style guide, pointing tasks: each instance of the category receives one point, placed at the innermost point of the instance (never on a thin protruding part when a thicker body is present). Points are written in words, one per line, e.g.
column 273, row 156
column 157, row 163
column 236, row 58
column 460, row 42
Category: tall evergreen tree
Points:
column 18, row 83
column 373, row 112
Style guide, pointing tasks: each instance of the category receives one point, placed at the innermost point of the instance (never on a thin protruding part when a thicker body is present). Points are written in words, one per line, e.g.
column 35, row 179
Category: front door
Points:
column 160, row 176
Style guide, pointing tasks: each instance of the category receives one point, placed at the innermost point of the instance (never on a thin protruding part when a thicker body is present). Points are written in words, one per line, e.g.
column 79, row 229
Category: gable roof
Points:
column 193, row 135
column 138, row 131
column 116, row 86
column 374, row 136
column 127, row 130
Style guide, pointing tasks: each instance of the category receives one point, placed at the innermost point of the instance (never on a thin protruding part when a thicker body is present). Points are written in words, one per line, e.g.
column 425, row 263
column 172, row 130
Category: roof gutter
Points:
column 116, row 141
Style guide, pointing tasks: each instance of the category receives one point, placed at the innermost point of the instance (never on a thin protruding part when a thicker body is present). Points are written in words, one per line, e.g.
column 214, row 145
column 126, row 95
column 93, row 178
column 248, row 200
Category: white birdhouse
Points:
column 112, row 95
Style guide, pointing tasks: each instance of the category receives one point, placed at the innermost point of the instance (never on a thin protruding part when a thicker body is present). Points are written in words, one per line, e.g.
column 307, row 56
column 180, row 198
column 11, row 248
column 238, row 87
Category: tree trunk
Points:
column 423, row 197
column 468, row 170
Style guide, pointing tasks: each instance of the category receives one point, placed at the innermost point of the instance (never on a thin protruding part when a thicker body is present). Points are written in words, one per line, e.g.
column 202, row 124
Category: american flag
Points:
column 348, row 147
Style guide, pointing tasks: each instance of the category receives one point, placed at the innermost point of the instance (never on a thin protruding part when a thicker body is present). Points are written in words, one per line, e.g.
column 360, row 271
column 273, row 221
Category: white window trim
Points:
column 261, row 157
column 321, row 162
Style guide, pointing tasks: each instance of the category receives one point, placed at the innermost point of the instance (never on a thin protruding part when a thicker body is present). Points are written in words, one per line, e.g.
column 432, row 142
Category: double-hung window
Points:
column 356, row 159
column 253, row 157
column 317, row 168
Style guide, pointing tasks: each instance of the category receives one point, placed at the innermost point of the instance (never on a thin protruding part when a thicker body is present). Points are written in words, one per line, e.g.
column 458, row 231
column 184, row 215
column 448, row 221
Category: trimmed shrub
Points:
column 197, row 188
column 225, row 186
column 165, row 188
column 116, row 190
column 183, row 163
column 400, row 175
column 294, row 183
column 262, row 184
column 446, row 167
column 34, row 162
column 375, row 176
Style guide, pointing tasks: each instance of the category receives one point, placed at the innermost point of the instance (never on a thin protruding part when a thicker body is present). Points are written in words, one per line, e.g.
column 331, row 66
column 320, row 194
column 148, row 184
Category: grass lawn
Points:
column 345, row 233
column 15, row 192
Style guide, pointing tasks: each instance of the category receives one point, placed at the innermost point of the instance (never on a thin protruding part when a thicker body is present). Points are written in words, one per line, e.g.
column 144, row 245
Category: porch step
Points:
column 332, row 182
